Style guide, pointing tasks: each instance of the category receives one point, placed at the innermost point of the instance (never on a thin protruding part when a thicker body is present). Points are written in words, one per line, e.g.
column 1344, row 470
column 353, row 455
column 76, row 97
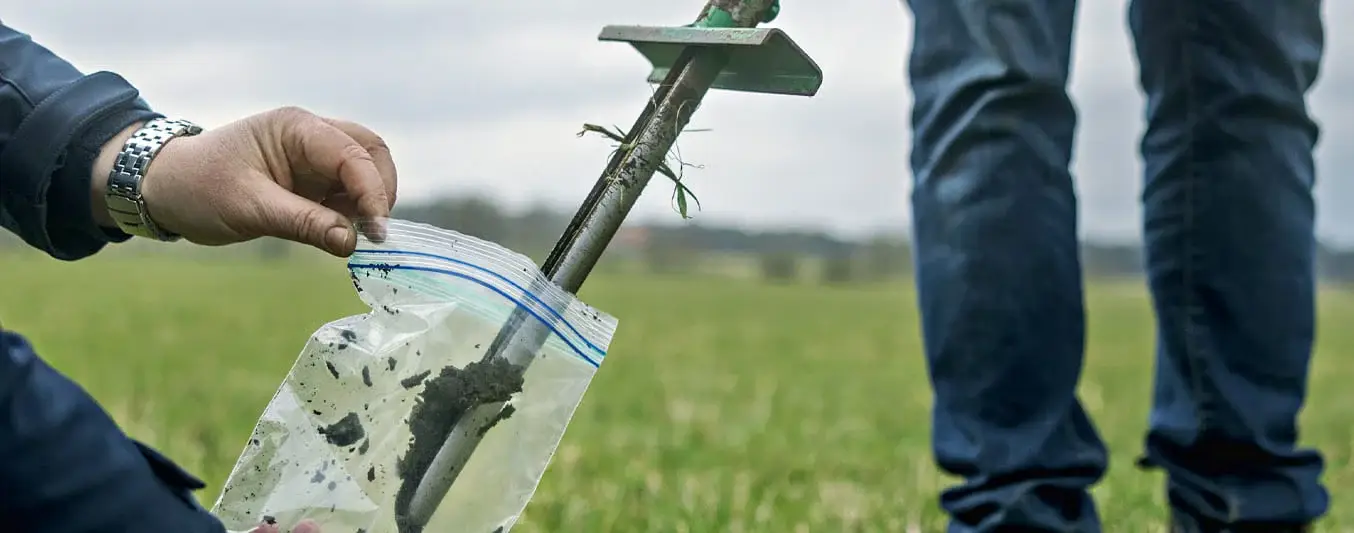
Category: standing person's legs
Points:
column 1228, row 218
column 998, row 273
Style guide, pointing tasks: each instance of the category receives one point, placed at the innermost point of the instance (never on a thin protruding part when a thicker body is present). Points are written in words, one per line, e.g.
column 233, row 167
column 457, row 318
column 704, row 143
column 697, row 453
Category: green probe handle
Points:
column 771, row 12
column 718, row 18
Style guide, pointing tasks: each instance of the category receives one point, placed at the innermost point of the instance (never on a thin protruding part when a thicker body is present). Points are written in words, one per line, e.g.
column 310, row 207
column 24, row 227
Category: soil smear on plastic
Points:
column 346, row 432
column 415, row 380
column 443, row 402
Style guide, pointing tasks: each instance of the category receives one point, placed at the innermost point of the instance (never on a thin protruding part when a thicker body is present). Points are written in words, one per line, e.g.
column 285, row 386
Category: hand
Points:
column 284, row 173
column 305, row 526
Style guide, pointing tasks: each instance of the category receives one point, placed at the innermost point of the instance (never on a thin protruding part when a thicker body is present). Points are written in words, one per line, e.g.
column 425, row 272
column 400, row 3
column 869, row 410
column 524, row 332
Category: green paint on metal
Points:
column 715, row 18
column 771, row 12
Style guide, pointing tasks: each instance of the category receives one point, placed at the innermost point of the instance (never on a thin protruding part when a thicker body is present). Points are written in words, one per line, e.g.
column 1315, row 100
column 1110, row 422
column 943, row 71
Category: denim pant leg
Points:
column 997, row 267
column 1228, row 218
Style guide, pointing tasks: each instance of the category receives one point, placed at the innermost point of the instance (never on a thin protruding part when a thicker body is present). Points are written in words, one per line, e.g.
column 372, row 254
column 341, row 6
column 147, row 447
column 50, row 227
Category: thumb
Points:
column 286, row 215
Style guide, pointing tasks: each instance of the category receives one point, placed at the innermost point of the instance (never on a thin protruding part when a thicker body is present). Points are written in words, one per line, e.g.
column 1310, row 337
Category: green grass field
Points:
column 724, row 406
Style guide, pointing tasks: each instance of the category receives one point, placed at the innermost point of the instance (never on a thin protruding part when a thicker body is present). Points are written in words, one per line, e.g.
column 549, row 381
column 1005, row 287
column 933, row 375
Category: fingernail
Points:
column 337, row 239
column 377, row 232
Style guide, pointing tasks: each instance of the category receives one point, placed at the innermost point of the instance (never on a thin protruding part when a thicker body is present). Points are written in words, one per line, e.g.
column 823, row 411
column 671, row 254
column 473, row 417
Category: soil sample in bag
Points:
column 444, row 400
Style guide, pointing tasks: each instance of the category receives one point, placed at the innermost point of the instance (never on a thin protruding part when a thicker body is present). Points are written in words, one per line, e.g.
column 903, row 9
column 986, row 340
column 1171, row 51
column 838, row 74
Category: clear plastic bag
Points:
column 369, row 401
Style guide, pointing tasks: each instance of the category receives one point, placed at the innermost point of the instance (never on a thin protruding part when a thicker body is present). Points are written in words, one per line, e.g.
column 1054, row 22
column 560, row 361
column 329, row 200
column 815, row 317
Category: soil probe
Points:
column 723, row 49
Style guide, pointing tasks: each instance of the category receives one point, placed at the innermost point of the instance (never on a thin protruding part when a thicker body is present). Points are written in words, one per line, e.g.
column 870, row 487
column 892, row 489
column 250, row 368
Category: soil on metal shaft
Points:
column 444, row 400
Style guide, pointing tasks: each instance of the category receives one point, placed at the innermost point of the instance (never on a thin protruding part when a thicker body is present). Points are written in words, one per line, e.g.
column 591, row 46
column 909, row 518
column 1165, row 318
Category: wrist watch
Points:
column 125, row 203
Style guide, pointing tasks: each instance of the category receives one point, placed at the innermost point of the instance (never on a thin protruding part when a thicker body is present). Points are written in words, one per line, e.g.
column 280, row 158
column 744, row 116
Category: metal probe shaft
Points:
column 586, row 238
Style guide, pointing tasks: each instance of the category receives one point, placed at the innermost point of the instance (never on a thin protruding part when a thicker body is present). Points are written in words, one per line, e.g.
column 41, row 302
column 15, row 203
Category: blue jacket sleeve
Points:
column 53, row 121
column 65, row 467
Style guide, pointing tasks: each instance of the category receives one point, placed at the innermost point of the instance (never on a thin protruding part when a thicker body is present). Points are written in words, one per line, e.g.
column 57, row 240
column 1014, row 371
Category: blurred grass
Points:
column 724, row 405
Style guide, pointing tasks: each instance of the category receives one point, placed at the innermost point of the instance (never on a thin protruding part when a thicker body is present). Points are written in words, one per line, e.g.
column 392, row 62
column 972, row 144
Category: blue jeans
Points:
column 1228, row 225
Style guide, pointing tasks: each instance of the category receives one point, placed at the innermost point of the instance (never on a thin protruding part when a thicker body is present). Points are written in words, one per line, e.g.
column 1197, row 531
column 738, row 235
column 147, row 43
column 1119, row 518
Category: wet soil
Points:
column 443, row 402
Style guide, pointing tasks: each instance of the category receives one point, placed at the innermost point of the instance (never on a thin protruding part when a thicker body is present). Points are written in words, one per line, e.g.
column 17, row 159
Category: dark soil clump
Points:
column 413, row 381
column 441, row 404
column 346, row 432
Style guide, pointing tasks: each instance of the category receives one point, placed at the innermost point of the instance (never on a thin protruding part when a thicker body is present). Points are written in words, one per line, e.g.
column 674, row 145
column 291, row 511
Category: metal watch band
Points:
column 125, row 203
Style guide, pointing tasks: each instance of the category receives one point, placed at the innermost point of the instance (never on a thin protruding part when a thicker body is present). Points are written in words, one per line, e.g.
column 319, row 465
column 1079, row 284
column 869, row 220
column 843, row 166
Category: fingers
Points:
column 311, row 143
column 341, row 203
column 374, row 229
column 380, row 153
column 385, row 164
column 285, row 215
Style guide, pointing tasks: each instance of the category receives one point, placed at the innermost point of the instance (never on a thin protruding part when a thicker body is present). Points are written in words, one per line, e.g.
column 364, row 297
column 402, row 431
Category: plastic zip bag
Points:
column 372, row 397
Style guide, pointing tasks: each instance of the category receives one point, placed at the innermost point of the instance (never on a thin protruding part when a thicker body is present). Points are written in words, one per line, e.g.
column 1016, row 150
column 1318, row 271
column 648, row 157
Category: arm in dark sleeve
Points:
column 53, row 121
column 65, row 467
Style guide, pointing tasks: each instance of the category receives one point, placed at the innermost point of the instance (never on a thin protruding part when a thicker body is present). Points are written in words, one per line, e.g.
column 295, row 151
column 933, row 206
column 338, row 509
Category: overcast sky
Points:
column 486, row 96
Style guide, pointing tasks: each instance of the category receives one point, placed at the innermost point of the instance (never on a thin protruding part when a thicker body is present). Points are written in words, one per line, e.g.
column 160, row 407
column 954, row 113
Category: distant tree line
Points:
column 783, row 256
column 680, row 248
column 694, row 248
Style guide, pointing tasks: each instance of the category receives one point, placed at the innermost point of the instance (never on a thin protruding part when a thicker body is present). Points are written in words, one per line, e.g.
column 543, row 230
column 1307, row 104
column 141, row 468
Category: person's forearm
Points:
column 54, row 120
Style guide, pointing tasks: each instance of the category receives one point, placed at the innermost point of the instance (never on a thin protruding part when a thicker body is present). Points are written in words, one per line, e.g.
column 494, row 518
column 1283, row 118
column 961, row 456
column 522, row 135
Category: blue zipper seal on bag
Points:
column 563, row 337
column 497, row 276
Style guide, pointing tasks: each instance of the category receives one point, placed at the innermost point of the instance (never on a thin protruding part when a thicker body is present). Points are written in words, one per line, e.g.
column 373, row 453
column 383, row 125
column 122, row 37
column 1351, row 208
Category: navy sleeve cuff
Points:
column 50, row 158
column 70, row 219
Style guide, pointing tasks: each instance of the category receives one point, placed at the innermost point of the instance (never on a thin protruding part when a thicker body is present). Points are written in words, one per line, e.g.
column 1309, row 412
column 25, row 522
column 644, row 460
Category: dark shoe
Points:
column 1184, row 524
